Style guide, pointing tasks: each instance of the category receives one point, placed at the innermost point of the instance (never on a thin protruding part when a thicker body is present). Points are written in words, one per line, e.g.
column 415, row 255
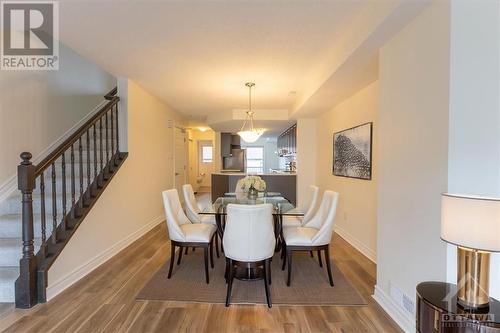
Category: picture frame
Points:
column 352, row 152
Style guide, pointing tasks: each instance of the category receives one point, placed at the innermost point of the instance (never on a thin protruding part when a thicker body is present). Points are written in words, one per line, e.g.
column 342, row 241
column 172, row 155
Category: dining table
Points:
column 281, row 208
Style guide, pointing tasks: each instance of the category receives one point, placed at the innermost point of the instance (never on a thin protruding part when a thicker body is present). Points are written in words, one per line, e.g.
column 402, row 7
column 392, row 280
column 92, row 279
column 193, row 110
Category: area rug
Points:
column 309, row 285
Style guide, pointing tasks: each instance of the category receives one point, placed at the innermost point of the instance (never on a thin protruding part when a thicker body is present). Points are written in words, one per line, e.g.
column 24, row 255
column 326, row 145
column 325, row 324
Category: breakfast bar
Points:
column 284, row 183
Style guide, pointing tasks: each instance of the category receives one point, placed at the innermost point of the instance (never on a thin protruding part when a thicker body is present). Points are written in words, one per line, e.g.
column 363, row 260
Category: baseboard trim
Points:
column 357, row 244
column 405, row 322
column 65, row 282
column 8, row 187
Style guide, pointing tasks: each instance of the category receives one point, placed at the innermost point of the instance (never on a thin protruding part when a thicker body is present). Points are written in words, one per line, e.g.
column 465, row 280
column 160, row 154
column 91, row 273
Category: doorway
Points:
column 205, row 165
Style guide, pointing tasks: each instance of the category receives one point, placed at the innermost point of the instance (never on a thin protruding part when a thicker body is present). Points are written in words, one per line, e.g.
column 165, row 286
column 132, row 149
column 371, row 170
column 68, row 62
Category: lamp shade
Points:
column 250, row 136
column 471, row 222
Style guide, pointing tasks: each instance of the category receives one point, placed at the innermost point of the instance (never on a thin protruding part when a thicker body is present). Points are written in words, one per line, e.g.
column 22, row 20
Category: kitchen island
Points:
column 284, row 183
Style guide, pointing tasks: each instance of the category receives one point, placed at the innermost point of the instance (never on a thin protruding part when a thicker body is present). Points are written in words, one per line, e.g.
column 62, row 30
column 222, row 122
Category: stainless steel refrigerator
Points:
column 235, row 162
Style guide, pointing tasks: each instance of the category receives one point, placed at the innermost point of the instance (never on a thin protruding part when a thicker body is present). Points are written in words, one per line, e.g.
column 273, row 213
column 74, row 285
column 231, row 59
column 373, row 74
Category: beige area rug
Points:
column 309, row 284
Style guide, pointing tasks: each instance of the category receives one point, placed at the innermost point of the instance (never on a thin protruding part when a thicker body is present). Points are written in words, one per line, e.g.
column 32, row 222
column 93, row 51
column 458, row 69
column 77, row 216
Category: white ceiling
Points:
column 197, row 55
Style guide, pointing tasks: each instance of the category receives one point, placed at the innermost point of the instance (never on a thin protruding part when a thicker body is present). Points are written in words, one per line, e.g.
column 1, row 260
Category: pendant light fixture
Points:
column 250, row 134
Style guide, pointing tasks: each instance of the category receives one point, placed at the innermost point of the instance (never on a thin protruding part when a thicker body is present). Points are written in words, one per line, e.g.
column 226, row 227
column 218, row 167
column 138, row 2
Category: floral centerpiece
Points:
column 252, row 185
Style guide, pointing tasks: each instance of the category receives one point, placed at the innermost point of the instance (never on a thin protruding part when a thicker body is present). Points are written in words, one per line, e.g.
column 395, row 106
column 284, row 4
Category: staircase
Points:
column 55, row 197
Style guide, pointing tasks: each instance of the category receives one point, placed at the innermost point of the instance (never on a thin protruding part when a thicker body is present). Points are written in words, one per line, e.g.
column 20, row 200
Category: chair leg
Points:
column 212, row 253
column 269, row 270
column 311, row 253
column 172, row 258
column 180, row 256
column 266, row 285
column 319, row 259
column 230, row 281
column 226, row 271
column 194, row 249
column 186, row 251
column 217, row 245
column 284, row 257
column 205, row 255
column 289, row 258
column 329, row 269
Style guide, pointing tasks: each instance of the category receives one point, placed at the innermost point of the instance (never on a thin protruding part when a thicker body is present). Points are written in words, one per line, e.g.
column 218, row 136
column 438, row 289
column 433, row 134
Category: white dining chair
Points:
column 310, row 209
column 249, row 241
column 313, row 236
column 183, row 233
column 193, row 212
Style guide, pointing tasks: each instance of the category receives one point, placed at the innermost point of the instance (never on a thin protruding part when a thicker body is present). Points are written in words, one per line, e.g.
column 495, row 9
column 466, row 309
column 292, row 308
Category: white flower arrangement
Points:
column 258, row 183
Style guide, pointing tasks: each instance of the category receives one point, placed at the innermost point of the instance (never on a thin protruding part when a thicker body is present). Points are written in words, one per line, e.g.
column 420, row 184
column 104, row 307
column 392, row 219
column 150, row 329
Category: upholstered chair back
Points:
column 249, row 232
column 192, row 208
column 174, row 214
column 326, row 213
column 312, row 203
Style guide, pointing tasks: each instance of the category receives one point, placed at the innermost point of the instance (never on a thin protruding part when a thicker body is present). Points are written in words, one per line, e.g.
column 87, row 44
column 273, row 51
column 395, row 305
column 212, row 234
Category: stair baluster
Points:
column 80, row 169
column 100, row 144
column 95, row 153
column 117, row 131
column 63, row 168
column 112, row 134
column 87, row 135
column 54, row 204
column 107, row 137
column 43, row 226
column 73, row 186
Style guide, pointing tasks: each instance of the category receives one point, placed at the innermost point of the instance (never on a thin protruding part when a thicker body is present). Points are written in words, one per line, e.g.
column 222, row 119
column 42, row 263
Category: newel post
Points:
column 26, row 291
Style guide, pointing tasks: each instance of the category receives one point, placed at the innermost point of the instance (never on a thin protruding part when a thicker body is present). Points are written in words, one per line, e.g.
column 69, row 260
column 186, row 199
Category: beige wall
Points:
column 412, row 158
column 131, row 204
column 356, row 218
column 38, row 107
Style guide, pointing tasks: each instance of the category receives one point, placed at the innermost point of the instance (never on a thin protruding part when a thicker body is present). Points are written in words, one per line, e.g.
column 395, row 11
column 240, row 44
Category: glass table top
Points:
column 281, row 205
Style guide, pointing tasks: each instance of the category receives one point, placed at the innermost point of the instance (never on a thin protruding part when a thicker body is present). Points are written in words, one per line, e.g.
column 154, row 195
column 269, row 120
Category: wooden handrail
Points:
column 111, row 94
column 56, row 153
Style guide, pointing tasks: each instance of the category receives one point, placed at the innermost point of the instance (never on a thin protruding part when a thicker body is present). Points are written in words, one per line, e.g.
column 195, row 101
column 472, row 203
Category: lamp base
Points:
column 473, row 278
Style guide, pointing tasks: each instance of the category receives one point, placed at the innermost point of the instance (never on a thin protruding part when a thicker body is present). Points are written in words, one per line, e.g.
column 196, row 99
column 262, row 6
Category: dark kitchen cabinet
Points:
column 287, row 142
column 228, row 142
column 235, row 141
column 225, row 144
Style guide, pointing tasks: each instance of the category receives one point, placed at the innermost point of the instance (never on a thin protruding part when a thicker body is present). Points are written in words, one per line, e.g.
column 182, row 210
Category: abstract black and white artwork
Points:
column 352, row 152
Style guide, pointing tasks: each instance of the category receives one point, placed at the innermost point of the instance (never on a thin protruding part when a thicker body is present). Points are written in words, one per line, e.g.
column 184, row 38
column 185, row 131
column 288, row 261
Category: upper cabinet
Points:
column 287, row 142
column 225, row 144
column 229, row 142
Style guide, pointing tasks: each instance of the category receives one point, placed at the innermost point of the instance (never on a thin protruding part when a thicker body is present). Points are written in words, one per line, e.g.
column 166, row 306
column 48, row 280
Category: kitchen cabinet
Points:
column 287, row 142
column 225, row 144
column 228, row 142
column 235, row 141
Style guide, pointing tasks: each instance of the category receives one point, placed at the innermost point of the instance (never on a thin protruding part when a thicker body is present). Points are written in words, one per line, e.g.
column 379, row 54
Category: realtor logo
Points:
column 30, row 35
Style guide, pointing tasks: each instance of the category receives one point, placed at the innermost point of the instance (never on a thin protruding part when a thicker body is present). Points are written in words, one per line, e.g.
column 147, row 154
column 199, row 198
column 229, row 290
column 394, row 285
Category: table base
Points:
column 249, row 273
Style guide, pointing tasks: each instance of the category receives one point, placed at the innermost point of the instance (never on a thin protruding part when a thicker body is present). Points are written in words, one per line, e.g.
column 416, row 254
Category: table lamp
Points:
column 473, row 224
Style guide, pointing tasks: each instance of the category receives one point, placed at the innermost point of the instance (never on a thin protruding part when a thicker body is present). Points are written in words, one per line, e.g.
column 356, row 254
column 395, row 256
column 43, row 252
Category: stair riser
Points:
column 12, row 205
column 8, row 276
column 7, row 291
column 12, row 254
column 13, row 228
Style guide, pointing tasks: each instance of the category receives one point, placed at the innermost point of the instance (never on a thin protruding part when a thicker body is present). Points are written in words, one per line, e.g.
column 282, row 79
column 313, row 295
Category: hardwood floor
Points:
column 104, row 301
